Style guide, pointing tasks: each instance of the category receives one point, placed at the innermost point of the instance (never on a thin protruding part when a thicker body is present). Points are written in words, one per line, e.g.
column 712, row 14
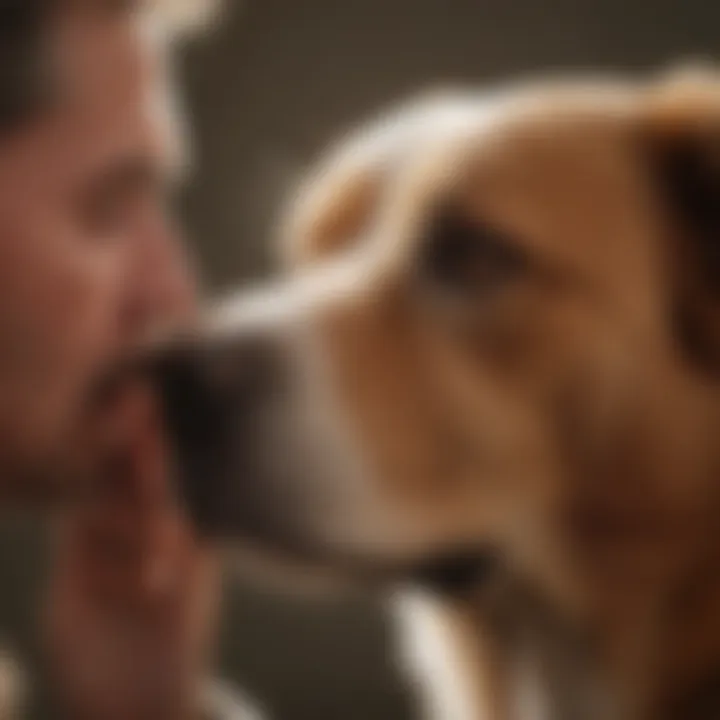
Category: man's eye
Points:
column 460, row 255
column 111, row 216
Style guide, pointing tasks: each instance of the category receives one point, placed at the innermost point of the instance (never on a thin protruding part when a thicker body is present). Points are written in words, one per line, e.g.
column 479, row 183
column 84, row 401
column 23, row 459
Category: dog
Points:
column 489, row 375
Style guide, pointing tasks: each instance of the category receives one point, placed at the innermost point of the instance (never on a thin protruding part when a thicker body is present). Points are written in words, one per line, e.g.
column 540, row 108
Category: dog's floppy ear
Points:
column 335, row 203
column 681, row 133
column 329, row 212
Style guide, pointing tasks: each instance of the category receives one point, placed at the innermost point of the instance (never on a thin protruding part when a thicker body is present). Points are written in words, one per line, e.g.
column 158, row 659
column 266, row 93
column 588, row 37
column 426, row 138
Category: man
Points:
column 90, row 263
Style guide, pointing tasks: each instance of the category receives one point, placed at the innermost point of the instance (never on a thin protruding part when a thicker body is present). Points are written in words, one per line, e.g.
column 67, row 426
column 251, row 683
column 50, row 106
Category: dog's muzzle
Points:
column 215, row 398
column 256, row 461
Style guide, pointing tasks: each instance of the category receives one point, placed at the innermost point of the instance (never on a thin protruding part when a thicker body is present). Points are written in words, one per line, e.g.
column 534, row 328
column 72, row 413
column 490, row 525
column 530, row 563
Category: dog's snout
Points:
column 213, row 392
column 200, row 372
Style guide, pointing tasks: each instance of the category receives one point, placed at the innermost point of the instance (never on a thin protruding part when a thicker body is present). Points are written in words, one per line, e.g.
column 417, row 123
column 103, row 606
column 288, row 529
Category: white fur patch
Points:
column 430, row 654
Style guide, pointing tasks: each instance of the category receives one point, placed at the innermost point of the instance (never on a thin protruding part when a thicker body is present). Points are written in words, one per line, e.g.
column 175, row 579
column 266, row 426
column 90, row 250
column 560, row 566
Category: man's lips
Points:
column 123, row 428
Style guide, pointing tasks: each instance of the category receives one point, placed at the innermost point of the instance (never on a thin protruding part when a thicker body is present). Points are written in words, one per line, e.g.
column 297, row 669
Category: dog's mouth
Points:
column 455, row 570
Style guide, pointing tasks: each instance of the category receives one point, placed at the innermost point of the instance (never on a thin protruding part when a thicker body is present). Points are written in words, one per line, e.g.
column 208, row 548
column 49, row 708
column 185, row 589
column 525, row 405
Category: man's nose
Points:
column 161, row 289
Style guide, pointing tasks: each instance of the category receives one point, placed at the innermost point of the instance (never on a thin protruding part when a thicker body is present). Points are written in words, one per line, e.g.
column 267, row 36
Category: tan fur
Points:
column 571, row 394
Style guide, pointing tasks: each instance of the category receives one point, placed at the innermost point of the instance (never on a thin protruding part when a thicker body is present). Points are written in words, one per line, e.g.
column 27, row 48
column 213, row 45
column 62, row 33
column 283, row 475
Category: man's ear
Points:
column 681, row 134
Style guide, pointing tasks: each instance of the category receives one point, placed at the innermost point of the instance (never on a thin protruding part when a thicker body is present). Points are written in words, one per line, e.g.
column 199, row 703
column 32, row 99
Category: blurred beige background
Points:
column 275, row 83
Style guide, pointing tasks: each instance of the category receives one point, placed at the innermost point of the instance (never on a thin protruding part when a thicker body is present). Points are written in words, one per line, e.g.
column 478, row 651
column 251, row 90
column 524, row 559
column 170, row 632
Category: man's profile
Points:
column 90, row 263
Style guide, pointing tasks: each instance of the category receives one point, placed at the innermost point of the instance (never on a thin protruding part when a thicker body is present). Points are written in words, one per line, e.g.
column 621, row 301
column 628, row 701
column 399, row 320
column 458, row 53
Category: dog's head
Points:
column 498, row 331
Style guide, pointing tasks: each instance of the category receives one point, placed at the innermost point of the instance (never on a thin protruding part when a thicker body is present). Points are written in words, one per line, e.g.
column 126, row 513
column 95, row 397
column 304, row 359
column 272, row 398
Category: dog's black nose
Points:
column 213, row 393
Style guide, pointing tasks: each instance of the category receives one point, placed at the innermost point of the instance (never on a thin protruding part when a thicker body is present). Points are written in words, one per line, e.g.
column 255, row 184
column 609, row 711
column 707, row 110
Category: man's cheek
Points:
column 81, row 326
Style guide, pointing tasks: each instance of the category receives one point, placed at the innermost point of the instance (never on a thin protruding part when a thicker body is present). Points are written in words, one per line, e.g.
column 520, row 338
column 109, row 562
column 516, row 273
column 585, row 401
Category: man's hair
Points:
column 26, row 66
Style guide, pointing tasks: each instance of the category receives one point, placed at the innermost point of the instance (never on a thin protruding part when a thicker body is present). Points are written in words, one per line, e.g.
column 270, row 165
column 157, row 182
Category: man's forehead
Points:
column 117, row 94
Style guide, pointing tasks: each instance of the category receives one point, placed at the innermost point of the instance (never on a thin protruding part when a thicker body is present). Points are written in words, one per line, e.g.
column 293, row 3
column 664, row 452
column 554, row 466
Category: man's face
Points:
column 89, row 261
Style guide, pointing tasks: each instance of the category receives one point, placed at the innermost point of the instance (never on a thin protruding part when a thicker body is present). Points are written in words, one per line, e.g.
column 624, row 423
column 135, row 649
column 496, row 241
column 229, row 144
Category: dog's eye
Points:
column 460, row 255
